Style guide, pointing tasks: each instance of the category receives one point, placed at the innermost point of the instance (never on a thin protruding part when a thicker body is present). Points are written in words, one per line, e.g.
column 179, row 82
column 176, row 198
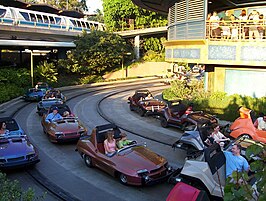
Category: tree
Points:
column 118, row 12
column 98, row 17
column 47, row 71
column 64, row 4
column 97, row 53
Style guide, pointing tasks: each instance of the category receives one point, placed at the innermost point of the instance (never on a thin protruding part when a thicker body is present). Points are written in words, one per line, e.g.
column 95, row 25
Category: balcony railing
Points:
column 236, row 30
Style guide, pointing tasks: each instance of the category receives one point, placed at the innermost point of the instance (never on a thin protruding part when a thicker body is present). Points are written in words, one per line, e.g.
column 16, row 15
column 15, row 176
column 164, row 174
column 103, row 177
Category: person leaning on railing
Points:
column 253, row 22
column 243, row 18
column 215, row 29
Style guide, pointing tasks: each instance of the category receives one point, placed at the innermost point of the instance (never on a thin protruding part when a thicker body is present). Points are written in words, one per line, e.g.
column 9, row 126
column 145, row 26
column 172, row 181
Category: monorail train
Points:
column 30, row 18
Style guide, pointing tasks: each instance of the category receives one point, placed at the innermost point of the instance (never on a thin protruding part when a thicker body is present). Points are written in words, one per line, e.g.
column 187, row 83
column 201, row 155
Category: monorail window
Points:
column 2, row 12
column 46, row 20
column 39, row 18
column 32, row 17
column 83, row 24
column 79, row 23
column 87, row 25
column 52, row 21
column 57, row 20
column 25, row 16
column 74, row 23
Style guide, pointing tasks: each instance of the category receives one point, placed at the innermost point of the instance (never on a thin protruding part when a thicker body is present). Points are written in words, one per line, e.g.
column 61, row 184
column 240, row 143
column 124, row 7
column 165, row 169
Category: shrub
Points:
column 11, row 190
column 218, row 103
column 47, row 72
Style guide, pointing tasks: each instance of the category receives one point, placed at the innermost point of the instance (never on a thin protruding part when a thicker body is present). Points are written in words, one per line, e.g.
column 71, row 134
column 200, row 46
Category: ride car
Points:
column 33, row 94
column 144, row 103
column 43, row 86
column 44, row 105
column 16, row 150
column 177, row 114
column 185, row 192
column 64, row 130
column 209, row 172
column 133, row 165
column 244, row 126
column 54, row 93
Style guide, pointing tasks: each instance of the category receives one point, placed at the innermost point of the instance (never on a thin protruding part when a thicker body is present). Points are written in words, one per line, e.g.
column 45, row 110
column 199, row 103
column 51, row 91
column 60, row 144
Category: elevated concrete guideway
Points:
column 142, row 32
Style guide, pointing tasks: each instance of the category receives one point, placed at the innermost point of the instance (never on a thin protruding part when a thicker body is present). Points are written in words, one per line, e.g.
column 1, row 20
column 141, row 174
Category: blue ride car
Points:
column 15, row 148
column 44, row 105
column 34, row 94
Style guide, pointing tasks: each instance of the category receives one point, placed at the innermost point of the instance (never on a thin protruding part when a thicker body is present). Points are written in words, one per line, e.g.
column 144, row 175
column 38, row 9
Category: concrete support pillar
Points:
column 136, row 46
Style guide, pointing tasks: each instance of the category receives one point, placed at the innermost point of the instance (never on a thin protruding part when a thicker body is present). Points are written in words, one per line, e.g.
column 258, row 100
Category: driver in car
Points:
column 234, row 161
column 53, row 116
column 124, row 141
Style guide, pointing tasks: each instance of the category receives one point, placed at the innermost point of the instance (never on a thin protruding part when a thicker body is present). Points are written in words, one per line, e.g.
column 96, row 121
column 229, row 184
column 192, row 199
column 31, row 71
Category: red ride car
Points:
column 243, row 126
column 144, row 103
column 134, row 164
column 67, row 129
column 185, row 192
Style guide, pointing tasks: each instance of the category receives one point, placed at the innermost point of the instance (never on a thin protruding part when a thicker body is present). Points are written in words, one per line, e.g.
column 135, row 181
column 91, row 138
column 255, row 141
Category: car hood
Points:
column 15, row 146
column 139, row 158
column 67, row 126
column 34, row 93
column 48, row 104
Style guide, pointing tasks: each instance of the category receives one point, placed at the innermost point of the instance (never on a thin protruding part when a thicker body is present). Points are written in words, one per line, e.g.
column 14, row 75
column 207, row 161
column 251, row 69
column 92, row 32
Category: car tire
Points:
column 123, row 179
column 164, row 122
column 131, row 107
column 142, row 112
column 88, row 161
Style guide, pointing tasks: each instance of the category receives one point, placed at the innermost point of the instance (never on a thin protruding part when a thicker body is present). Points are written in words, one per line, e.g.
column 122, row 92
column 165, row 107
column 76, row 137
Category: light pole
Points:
column 124, row 54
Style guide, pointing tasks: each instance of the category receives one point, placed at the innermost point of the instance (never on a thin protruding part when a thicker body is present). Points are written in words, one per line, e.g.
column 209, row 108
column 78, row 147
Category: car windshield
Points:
column 11, row 125
column 127, row 149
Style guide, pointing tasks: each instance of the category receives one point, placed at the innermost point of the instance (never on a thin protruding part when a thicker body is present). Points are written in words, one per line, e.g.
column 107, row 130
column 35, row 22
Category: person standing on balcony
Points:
column 215, row 26
column 261, row 26
column 243, row 17
column 253, row 21
column 225, row 25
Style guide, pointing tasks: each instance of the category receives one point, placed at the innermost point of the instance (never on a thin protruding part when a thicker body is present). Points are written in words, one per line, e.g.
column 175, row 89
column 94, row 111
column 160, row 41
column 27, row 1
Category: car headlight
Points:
column 31, row 156
column 142, row 171
column 59, row 134
column 2, row 160
column 146, row 178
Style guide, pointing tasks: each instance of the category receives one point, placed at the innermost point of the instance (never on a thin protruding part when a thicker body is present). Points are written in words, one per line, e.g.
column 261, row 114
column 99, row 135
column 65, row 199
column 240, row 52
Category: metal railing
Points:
column 237, row 30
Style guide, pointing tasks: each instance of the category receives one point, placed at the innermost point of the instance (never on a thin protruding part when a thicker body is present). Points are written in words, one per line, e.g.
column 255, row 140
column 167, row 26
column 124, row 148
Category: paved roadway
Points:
column 62, row 166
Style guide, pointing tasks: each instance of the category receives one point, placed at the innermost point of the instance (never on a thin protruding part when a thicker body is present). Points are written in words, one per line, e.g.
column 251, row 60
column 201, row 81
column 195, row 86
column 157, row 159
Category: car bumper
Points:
column 18, row 164
column 65, row 138
column 32, row 98
column 159, row 179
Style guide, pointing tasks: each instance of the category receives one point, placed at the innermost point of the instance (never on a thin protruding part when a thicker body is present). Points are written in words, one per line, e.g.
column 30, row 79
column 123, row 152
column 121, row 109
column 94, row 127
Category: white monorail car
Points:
column 28, row 18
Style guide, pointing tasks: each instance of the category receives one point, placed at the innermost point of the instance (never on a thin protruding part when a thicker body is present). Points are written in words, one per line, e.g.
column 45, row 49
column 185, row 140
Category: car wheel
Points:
column 142, row 112
column 44, row 131
column 131, row 107
column 88, row 161
column 123, row 179
column 164, row 122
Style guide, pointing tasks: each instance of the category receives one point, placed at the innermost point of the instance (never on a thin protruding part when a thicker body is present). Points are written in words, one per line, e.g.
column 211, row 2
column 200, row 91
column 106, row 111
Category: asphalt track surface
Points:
column 62, row 172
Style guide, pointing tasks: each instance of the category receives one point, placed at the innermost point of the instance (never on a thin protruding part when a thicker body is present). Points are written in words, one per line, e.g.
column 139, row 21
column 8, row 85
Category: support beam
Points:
column 136, row 46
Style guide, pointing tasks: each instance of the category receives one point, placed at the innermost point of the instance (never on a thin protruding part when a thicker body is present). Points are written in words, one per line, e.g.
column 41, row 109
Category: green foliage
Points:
column 218, row 103
column 47, row 72
column 97, row 53
column 13, row 82
column 153, row 56
column 11, row 190
column 90, row 79
column 69, row 4
column 117, row 12
column 235, row 191
column 98, row 17
column 154, row 44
